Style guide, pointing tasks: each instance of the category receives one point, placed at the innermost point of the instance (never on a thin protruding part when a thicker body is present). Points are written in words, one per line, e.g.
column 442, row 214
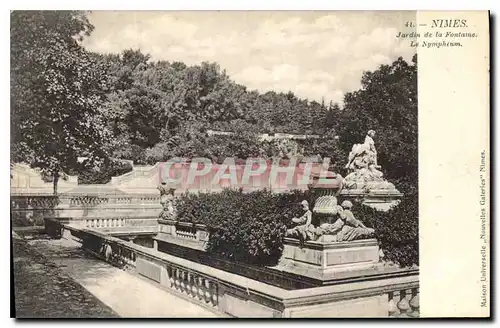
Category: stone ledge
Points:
column 306, row 300
column 317, row 245
column 182, row 224
column 184, row 242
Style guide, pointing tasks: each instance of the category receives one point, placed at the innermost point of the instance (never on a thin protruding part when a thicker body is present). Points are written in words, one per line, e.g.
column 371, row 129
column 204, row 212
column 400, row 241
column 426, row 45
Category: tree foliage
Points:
column 57, row 89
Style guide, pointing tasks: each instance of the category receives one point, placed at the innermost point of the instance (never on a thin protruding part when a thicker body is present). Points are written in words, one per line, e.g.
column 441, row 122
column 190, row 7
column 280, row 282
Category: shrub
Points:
column 396, row 230
column 244, row 227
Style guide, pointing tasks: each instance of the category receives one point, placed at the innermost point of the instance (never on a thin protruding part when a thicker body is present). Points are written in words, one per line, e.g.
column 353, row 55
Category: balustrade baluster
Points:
column 393, row 309
column 184, row 285
column 128, row 256
column 176, row 278
column 119, row 251
column 194, row 286
column 414, row 303
column 189, row 286
column 208, row 297
column 170, row 273
column 403, row 304
column 201, row 291
column 214, row 294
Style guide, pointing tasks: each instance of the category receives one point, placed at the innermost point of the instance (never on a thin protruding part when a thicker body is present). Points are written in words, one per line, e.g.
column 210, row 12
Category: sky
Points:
column 315, row 54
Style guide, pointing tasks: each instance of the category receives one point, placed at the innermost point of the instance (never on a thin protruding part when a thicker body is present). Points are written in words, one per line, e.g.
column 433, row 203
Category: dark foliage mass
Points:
column 103, row 173
column 396, row 230
column 244, row 227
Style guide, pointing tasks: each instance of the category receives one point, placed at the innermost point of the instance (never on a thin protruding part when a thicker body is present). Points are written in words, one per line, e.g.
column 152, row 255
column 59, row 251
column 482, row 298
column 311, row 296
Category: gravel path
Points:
column 61, row 280
column 42, row 290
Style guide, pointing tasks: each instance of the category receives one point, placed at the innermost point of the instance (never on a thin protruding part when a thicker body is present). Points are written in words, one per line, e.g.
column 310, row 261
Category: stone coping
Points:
column 141, row 232
column 100, row 216
column 347, row 289
column 193, row 244
column 104, row 194
column 183, row 224
column 332, row 245
column 371, row 193
column 104, row 206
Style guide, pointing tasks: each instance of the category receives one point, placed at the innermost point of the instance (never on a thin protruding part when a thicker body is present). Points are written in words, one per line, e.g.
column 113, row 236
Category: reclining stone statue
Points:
column 345, row 228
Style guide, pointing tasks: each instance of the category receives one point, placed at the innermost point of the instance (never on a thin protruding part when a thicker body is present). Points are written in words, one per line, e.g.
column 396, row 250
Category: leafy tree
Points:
column 57, row 89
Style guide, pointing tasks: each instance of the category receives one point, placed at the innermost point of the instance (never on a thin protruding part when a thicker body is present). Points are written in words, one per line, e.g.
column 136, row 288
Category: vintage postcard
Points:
column 250, row 164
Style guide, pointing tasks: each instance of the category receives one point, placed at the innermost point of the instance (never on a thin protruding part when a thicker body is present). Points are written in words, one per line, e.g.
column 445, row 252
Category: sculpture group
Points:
column 363, row 167
column 167, row 201
column 341, row 226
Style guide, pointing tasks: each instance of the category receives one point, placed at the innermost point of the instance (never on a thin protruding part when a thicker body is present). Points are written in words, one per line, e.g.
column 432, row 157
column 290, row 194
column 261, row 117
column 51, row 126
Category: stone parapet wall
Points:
column 90, row 211
column 238, row 296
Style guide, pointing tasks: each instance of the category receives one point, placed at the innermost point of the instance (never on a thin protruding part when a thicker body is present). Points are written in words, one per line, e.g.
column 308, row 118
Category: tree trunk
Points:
column 56, row 180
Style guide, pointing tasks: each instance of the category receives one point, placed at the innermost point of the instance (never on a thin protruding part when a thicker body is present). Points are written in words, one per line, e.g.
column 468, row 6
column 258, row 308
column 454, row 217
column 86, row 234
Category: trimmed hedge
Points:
column 244, row 227
column 250, row 227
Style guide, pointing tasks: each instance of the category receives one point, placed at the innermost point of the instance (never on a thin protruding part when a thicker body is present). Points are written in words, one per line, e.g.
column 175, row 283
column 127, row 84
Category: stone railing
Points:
column 111, row 249
column 194, row 285
column 106, row 223
column 404, row 303
column 103, row 199
column 181, row 233
column 97, row 211
column 45, row 202
column 29, row 210
column 234, row 295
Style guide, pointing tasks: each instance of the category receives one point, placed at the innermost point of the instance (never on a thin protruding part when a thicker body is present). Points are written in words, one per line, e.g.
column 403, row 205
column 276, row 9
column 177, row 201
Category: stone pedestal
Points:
column 326, row 260
column 381, row 200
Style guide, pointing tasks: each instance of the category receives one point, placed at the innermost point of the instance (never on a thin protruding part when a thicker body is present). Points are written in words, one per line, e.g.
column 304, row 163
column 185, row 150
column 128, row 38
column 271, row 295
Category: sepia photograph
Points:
column 216, row 164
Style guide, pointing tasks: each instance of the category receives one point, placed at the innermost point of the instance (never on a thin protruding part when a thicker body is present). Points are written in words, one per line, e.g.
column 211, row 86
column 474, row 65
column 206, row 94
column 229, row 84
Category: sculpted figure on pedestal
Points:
column 304, row 230
column 167, row 201
column 363, row 167
column 346, row 227
column 363, row 155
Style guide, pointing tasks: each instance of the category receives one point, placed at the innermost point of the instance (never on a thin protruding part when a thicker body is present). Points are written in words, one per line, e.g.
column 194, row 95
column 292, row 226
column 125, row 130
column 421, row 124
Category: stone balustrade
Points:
column 109, row 211
column 186, row 234
column 230, row 294
column 33, row 202
column 103, row 199
column 183, row 232
column 106, row 223
column 197, row 286
column 404, row 303
column 45, row 202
